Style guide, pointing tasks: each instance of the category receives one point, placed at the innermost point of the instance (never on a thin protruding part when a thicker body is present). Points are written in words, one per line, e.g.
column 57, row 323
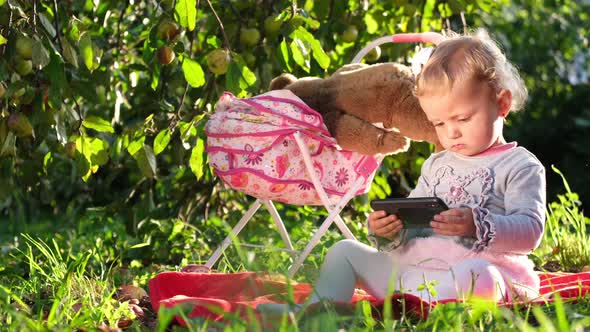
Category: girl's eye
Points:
column 438, row 124
column 464, row 119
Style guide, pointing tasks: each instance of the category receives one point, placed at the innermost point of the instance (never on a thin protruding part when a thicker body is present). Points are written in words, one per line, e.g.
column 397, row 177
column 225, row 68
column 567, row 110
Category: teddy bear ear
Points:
column 282, row 81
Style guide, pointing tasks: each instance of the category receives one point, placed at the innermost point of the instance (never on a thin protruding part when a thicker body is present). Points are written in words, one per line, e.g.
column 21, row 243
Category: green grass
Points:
column 66, row 277
column 567, row 237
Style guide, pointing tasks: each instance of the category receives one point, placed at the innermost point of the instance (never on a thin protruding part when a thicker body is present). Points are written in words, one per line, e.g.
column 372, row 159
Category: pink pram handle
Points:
column 419, row 37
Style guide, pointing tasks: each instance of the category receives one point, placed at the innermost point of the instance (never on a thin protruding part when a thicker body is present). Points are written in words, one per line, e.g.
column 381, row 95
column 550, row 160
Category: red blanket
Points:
column 210, row 296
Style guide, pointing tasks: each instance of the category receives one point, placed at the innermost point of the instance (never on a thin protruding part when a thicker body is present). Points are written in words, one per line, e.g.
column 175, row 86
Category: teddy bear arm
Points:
column 412, row 122
column 372, row 93
column 355, row 134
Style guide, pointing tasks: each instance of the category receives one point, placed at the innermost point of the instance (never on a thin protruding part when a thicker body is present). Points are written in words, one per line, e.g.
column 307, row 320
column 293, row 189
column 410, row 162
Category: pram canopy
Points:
column 251, row 147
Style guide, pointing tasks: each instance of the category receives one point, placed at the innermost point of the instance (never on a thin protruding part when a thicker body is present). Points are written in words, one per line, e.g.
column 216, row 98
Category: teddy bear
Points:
column 370, row 109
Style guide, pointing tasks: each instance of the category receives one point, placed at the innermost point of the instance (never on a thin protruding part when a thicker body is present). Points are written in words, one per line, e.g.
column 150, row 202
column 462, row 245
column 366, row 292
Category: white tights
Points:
column 348, row 262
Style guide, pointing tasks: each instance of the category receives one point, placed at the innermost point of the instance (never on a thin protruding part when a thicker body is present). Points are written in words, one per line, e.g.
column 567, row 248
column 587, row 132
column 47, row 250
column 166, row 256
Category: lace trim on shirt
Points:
column 485, row 229
column 458, row 194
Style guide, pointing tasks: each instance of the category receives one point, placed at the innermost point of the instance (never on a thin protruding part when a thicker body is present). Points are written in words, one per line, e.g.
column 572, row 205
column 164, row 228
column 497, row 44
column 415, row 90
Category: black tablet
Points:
column 415, row 212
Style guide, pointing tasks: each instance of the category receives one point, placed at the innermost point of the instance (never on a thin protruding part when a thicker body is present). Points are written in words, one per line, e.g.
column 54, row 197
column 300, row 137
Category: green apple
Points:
column 24, row 46
column 218, row 61
column 20, row 125
column 165, row 55
column 101, row 94
column 23, row 67
column 167, row 30
column 167, row 4
column 249, row 36
column 272, row 25
column 350, row 34
column 249, row 58
column 242, row 5
column 70, row 149
column 373, row 54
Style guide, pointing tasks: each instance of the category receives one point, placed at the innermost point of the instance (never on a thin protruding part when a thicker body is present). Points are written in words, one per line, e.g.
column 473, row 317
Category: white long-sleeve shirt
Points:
column 505, row 190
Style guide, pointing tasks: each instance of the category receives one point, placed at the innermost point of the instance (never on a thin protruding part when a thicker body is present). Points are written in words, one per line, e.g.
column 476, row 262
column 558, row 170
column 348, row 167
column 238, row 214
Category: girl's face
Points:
column 469, row 119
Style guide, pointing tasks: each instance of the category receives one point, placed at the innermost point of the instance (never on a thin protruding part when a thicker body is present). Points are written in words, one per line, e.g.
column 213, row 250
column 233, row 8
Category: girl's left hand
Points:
column 458, row 222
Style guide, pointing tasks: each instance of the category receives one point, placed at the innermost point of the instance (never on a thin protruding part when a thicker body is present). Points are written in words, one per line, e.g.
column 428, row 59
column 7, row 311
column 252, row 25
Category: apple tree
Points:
column 103, row 102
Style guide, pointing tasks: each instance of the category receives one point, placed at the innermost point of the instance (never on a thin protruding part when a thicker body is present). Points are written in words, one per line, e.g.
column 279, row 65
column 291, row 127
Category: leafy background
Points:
column 103, row 177
column 94, row 127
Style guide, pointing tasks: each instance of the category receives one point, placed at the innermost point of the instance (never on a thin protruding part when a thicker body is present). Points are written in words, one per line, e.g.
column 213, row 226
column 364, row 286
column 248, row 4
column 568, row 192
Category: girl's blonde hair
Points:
column 472, row 56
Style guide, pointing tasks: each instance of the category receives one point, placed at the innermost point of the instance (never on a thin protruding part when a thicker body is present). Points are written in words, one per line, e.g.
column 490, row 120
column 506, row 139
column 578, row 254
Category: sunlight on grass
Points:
column 69, row 281
column 566, row 239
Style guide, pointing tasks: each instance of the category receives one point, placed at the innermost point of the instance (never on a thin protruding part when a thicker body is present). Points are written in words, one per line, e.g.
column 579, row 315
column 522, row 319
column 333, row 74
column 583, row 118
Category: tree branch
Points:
column 58, row 36
column 225, row 39
column 293, row 8
column 190, row 53
column 119, row 27
column 35, row 16
column 56, row 24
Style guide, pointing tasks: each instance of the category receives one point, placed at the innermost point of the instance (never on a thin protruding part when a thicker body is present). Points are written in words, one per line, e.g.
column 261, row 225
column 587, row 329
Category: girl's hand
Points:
column 384, row 225
column 454, row 222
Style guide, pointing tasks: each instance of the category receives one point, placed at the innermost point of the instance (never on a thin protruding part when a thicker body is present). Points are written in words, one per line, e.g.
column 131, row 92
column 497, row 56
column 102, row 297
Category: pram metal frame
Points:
column 333, row 216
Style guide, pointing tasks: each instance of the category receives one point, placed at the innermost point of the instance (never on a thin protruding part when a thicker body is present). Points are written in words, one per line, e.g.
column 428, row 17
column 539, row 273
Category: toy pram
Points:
column 275, row 148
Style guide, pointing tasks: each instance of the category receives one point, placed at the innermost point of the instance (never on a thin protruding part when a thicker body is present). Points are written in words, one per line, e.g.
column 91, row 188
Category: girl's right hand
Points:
column 384, row 225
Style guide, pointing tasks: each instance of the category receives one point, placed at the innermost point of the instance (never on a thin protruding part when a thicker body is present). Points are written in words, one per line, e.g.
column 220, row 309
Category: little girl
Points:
column 495, row 192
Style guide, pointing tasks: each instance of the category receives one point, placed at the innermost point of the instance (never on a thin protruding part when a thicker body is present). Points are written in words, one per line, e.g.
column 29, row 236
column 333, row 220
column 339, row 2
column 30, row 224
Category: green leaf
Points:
column 284, row 52
column 300, row 54
column 47, row 24
column 68, row 52
column 9, row 146
column 247, row 75
column 445, row 10
column 161, row 141
column 140, row 245
column 176, row 229
column 99, row 151
column 186, row 13
column 456, row 6
column 429, row 8
column 239, row 77
column 371, row 23
column 196, row 161
column 85, row 45
column 98, row 124
column 134, row 146
column 193, row 73
column 146, row 160
column 46, row 161
column 2, row 40
column 73, row 32
column 213, row 41
column 40, row 55
column 309, row 40
column 485, row 5
column 319, row 55
column 55, row 73
column 95, row 152
column 155, row 77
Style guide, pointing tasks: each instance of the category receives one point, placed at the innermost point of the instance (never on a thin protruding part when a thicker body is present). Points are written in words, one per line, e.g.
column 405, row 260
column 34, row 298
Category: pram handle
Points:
column 419, row 37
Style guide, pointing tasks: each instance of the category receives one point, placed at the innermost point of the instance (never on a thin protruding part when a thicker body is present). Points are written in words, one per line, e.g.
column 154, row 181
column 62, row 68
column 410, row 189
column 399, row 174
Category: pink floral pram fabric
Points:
column 252, row 149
